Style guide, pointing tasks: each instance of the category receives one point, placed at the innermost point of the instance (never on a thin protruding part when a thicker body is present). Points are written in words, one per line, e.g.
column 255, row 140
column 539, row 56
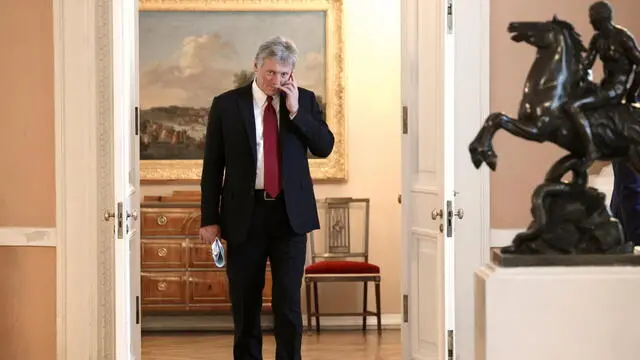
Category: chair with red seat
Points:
column 338, row 262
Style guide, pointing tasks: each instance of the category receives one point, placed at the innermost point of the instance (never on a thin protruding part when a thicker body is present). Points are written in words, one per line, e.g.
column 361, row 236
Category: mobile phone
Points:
column 217, row 253
column 290, row 78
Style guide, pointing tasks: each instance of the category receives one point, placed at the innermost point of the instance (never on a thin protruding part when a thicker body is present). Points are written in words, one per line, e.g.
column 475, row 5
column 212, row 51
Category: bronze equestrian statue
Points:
column 561, row 105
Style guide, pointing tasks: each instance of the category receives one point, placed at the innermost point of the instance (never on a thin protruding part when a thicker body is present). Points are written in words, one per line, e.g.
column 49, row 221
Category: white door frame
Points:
column 83, row 131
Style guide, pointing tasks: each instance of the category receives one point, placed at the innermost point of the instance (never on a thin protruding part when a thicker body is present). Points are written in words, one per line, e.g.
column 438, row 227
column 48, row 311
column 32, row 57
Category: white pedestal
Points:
column 558, row 313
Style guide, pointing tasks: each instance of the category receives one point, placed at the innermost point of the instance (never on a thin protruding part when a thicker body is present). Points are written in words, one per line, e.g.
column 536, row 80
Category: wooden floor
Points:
column 352, row 345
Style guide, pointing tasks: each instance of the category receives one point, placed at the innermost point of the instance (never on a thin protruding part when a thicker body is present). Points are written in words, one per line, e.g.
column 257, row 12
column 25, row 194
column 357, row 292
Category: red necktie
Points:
column 271, row 150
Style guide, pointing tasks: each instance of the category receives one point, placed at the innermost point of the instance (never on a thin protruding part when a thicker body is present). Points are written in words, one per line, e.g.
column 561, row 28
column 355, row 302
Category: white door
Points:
column 427, row 183
column 445, row 95
column 445, row 99
column 127, row 182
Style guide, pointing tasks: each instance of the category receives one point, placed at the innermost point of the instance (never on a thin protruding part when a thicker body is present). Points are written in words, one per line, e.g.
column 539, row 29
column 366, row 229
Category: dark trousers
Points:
column 625, row 200
column 270, row 236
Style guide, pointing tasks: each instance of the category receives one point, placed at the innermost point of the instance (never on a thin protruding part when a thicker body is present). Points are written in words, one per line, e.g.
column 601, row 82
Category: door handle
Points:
column 133, row 215
column 459, row 213
column 108, row 215
column 436, row 214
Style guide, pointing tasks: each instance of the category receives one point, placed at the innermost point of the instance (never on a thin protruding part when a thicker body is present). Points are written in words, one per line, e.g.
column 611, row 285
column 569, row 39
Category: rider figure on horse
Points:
column 620, row 57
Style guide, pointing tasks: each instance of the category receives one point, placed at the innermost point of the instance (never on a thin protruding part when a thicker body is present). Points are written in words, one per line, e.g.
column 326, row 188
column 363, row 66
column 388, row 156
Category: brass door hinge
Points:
column 405, row 308
column 450, row 344
column 137, row 310
column 119, row 219
column 405, row 120
column 136, row 119
column 449, row 16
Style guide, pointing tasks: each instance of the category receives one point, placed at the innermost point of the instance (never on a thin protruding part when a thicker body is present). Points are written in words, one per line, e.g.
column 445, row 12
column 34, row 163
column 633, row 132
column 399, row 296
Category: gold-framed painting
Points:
column 192, row 50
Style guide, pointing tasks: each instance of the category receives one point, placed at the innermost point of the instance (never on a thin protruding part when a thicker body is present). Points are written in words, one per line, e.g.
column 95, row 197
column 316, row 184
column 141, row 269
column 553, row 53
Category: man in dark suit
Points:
column 257, row 194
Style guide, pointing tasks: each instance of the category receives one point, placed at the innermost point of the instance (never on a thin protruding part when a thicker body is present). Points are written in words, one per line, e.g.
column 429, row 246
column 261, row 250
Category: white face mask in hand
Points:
column 217, row 252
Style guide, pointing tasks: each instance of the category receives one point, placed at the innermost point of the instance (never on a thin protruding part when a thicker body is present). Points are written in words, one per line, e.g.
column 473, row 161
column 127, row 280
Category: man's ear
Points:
column 255, row 66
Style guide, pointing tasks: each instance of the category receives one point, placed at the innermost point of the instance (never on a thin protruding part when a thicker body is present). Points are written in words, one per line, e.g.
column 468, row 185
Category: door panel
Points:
column 426, row 269
column 427, row 250
column 127, row 183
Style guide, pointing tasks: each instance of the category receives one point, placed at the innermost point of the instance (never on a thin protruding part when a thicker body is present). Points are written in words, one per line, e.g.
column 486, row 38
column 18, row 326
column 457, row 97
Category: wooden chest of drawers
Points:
column 178, row 275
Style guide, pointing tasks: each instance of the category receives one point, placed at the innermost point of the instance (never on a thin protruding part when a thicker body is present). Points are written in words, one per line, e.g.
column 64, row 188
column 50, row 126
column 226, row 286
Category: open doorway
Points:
column 87, row 269
column 327, row 33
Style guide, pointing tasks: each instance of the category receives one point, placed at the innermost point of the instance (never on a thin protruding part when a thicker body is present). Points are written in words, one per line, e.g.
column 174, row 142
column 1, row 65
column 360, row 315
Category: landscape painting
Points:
column 188, row 56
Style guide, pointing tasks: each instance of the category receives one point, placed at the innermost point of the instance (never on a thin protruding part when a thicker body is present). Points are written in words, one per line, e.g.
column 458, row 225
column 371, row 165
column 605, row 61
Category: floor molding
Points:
column 225, row 323
column 26, row 236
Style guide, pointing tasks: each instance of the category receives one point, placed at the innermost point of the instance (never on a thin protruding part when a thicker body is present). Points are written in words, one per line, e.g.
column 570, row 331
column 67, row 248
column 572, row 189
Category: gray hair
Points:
column 278, row 48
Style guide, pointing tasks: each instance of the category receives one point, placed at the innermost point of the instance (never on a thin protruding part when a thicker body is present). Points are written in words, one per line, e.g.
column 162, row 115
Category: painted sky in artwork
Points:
column 186, row 58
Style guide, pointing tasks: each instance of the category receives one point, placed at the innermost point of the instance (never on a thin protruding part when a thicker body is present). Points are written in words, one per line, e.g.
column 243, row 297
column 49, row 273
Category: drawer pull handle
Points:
column 162, row 220
column 162, row 285
column 162, row 252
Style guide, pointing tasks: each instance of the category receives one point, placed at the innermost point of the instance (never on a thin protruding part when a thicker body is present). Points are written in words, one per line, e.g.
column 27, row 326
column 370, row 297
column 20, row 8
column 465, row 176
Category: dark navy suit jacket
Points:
column 229, row 166
column 625, row 199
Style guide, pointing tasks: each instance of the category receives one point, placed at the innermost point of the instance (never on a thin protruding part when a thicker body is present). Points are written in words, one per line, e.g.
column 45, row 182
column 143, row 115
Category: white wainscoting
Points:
column 24, row 236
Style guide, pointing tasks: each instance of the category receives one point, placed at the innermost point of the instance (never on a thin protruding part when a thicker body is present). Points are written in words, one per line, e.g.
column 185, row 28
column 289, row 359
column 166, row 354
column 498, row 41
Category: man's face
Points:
column 271, row 75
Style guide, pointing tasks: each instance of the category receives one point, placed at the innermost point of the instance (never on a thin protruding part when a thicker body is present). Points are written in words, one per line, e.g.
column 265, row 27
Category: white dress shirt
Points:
column 259, row 104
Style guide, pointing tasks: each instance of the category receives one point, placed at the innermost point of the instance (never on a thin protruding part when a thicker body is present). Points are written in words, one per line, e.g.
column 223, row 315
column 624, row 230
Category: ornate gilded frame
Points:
column 332, row 168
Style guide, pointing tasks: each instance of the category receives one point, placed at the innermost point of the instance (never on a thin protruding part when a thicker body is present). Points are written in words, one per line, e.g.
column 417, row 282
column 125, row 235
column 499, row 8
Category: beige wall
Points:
column 27, row 303
column 26, row 100
column 27, row 184
column 522, row 164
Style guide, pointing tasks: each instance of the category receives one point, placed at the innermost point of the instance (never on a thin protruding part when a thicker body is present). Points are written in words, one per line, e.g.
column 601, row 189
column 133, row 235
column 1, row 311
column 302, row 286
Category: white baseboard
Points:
column 225, row 323
column 388, row 321
column 23, row 236
column 503, row 237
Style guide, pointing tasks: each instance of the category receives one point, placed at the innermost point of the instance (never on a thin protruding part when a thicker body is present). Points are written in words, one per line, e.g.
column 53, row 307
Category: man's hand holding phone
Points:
column 290, row 89
column 211, row 235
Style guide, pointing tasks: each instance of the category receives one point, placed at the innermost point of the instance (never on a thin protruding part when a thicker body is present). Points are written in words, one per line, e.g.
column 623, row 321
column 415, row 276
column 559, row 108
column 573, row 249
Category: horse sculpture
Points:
column 568, row 217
